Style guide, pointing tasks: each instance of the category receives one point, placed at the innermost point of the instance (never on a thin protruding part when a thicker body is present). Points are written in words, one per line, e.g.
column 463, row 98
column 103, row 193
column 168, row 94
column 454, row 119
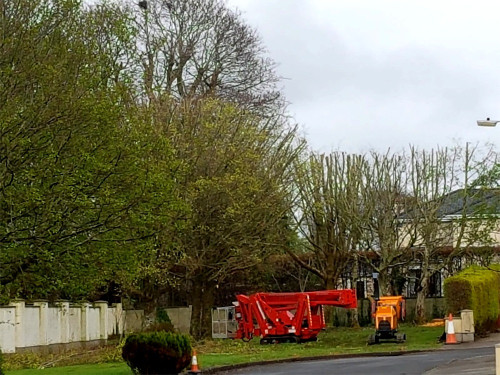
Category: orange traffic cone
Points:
column 450, row 335
column 194, row 365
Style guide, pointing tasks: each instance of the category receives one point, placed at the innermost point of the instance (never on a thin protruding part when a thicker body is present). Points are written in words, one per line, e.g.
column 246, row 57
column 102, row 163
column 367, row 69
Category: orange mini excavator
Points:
column 387, row 311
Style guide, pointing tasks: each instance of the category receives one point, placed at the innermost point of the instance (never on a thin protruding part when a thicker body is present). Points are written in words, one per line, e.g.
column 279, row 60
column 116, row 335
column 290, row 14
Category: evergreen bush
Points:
column 162, row 323
column 159, row 352
column 162, row 316
column 478, row 289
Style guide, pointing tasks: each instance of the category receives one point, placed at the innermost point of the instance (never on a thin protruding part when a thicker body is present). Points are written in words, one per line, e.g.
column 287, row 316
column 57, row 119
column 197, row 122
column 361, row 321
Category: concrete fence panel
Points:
column 30, row 326
column 116, row 320
column 134, row 320
column 75, row 327
column 38, row 326
column 8, row 329
column 94, row 326
column 54, row 331
column 180, row 318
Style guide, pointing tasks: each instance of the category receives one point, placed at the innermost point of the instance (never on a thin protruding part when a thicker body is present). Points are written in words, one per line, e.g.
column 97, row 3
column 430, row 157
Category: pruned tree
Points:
column 385, row 247
column 447, row 213
column 331, row 213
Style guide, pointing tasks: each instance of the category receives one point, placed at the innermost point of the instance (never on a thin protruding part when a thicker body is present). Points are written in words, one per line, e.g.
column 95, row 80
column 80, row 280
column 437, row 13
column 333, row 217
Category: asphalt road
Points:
column 456, row 361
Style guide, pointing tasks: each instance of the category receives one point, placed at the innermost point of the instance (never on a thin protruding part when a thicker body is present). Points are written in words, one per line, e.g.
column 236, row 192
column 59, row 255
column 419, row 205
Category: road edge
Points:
column 222, row 369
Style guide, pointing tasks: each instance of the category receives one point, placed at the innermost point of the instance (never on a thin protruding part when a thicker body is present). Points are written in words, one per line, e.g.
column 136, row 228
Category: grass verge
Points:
column 333, row 341
column 215, row 353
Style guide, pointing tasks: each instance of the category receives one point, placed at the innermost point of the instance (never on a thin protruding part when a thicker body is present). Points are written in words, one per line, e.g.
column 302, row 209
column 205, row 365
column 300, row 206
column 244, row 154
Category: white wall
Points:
column 31, row 323
column 24, row 325
column 75, row 325
column 180, row 318
column 7, row 329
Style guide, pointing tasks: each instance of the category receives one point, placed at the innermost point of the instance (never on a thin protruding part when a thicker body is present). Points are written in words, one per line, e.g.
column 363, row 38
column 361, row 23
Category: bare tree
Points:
column 385, row 247
column 331, row 214
column 192, row 48
column 450, row 217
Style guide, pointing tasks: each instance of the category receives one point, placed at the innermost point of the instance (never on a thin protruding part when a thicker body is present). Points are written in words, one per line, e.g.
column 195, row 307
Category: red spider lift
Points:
column 287, row 317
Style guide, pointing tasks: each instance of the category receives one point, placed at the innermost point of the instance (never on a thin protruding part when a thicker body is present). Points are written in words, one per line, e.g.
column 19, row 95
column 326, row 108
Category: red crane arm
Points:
column 277, row 315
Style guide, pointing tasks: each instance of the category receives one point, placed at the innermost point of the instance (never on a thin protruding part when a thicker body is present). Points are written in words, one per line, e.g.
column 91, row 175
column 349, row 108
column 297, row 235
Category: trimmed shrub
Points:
column 162, row 316
column 157, row 352
column 478, row 289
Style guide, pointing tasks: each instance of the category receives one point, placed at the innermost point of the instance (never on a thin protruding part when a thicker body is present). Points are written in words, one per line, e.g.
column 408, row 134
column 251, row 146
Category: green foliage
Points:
column 162, row 316
column 18, row 361
column 157, row 352
column 235, row 176
column 477, row 289
column 162, row 323
column 84, row 180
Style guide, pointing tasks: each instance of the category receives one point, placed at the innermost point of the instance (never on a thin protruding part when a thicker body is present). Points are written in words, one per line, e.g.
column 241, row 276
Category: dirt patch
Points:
column 434, row 323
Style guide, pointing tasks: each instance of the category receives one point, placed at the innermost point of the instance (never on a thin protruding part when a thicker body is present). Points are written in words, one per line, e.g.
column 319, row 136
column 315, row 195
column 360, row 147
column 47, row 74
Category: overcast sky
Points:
column 365, row 74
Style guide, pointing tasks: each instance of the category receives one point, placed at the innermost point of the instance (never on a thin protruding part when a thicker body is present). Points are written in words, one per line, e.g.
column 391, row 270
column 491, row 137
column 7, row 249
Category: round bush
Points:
column 157, row 352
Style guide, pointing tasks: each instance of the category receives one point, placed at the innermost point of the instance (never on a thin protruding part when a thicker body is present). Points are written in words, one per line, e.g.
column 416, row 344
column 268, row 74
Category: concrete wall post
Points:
column 64, row 320
column 19, row 304
column 84, row 327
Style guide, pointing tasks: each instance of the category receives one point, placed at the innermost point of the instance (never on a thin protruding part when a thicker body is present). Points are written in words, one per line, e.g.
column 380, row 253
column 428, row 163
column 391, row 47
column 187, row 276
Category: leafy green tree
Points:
column 76, row 175
column 236, row 181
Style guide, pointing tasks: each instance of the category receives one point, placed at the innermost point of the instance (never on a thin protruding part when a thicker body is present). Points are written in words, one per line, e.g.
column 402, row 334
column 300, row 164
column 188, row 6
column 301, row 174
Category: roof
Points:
column 472, row 202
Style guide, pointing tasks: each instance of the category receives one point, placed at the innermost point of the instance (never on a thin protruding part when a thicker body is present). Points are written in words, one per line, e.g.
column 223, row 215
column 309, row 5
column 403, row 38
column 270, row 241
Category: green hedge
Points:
column 157, row 352
column 478, row 289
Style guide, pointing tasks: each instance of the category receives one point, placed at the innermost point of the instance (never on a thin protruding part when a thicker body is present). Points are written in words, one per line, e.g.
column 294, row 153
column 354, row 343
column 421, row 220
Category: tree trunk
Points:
column 355, row 276
column 384, row 283
column 203, row 298
column 421, row 294
column 330, row 284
